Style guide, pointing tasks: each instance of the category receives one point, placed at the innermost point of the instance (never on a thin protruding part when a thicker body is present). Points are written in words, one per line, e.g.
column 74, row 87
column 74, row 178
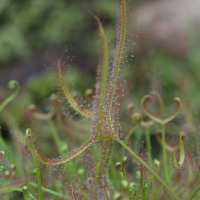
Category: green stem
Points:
column 10, row 155
column 98, row 168
column 128, row 137
column 148, row 142
column 147, row 166
column 103, row 160
column 144, row 194
column 93, row 188
column 164, row 152
column 114, row 175
column 106, row 195
column 193, row 194
column 138, row 138
column 187, row 186
column 55, row 136
column 125, row 178
column 49, row 191
column 162, row 185
column 12, row 85
column 28, row 132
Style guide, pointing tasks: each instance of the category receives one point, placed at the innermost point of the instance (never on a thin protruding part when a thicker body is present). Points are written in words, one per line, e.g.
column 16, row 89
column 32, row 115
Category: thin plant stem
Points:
column 162, row 185
column 55, row 136
column 12, row 85
column 144, row 194
column 147, row 166
column 114, row 175
column 187, row 186
column 149, row 183
column 164, row 152
column 49, row 191
column 10, row 155
column 125, row 178
column 138, row 138
column 106, row 195
column 148, row 142
column 93, row 187
column 28, row 131
column 128, row 137
column 193, row 194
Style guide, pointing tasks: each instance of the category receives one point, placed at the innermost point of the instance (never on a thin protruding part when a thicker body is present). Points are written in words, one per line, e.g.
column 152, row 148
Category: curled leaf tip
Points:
column 120, row 166
column 53, row 97
column 156, row 162
column 130, row 108
column 32, row 107
column 28, row 133
column 2, row 168
column 132, row 186
column 178, row 101
column 138, row 175
column 145, row 98
column 13, row 167
column 136, row 117
column 13, row 84
column 89, row 93
column 157, row 117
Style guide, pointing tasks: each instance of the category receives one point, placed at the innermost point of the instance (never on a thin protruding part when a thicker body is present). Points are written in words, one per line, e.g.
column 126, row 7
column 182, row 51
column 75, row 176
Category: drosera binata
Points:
column 103, row 114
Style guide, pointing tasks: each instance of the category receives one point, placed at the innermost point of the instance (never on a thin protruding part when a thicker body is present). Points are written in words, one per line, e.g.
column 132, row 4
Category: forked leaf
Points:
column 156, row 118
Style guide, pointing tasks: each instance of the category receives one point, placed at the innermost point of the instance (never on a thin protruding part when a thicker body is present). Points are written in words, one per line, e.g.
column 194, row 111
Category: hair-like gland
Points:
column 69, row 186
column 92, row 188
column 65, row 158
column 22, row 152
column 142, row 180
column 101, row 172
column 182, row 153
column 103, row 65
column 71, row 96
column 103, row 73
column 103, row 125
column 188, row 117
column 119, row 53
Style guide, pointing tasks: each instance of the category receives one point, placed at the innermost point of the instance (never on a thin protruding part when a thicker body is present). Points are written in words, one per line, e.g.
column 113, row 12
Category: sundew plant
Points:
column 90, row 171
